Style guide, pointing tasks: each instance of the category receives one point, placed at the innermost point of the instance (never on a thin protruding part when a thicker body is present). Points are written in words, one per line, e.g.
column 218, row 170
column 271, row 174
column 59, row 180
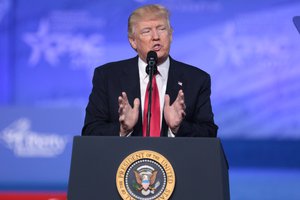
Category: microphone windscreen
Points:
column 151, row 56
column 151, row 61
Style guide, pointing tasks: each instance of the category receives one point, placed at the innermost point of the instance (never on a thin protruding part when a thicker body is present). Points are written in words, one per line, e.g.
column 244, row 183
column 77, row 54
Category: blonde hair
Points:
column 147, row 12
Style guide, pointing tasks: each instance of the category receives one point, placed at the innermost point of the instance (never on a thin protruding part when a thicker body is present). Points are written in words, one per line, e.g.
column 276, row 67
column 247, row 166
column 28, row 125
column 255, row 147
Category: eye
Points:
column 162, row 28
column 145, row 31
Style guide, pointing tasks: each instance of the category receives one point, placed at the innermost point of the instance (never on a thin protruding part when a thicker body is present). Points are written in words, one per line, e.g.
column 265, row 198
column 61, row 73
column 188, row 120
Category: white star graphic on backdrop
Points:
column 228, row 46
column 51, row 46
column 39, row 43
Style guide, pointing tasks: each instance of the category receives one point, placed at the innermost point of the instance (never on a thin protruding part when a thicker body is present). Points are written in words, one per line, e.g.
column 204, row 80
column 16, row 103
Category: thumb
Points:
column 167, row 100
column 136, row 104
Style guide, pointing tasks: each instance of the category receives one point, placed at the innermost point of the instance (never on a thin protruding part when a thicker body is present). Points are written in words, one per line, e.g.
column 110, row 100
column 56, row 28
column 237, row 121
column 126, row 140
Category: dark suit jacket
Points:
column 111, row 79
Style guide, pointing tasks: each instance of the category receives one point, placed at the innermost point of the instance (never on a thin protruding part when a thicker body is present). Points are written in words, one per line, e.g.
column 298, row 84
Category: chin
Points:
column 160, row 54
column 162, row 59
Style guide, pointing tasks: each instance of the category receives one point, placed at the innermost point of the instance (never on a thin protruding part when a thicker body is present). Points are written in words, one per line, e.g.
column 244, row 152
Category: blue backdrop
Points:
column 49, row 49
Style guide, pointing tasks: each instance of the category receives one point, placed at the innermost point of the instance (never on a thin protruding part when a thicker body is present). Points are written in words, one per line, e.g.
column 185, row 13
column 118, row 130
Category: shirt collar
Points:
column 162, row 68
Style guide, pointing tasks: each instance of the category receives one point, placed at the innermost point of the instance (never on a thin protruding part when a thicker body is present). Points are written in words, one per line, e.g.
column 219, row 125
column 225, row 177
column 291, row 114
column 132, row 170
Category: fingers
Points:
column 125, row 107
column 121, row 105
column 123, row 101
column 180, row 100
column 180, row 104
column 127, row 115
column 180, row 96
column 181, row 110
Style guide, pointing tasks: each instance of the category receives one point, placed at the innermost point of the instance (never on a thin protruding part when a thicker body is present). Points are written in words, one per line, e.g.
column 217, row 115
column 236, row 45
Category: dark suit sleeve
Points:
column 199, row 121
column 98, row 119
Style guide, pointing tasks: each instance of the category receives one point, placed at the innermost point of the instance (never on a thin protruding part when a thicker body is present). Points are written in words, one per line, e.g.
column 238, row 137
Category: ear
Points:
column 132, row 42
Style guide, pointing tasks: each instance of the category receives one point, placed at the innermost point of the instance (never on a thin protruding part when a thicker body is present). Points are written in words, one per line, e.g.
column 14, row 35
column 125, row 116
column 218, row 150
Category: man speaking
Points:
column 179, row 101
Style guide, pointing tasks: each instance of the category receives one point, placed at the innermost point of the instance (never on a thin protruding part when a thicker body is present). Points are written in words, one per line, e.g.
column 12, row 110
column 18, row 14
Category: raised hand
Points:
column 175, row 113
column 128, row 116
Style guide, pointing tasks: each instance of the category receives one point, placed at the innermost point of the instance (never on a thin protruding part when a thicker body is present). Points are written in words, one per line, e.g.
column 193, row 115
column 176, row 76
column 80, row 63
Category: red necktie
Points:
column 155, row 111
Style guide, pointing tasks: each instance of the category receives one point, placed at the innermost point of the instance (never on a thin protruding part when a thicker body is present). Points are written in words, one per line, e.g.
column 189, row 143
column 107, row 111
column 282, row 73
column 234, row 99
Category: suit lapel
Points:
column 174, row 84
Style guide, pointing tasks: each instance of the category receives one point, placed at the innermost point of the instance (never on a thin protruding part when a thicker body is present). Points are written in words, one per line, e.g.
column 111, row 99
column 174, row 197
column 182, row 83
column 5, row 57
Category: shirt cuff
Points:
column 170, row 133
column 128, row 135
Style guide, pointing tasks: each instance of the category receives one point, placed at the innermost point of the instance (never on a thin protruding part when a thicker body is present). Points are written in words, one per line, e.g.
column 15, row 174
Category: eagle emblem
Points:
column 145, row 177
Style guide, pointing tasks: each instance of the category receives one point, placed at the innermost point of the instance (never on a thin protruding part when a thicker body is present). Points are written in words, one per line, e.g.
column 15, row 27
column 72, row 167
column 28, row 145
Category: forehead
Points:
column 151, row 23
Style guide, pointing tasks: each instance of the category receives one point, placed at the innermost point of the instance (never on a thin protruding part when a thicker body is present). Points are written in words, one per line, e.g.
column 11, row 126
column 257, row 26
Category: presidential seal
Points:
column 145, row 175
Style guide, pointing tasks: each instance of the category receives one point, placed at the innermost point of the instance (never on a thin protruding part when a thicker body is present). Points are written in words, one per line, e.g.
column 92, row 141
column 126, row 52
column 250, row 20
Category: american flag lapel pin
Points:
column 179, row 83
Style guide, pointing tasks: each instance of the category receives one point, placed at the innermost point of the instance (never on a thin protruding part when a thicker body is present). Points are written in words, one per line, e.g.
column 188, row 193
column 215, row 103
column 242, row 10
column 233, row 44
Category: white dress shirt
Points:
column 161, row 80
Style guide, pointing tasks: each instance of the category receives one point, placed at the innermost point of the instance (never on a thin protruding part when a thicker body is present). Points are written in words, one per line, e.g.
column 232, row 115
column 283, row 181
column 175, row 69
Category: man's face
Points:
column 153, row 35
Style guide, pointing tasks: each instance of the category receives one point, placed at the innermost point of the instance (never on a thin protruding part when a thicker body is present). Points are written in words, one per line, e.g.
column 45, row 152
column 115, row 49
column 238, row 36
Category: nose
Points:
column 155, row 35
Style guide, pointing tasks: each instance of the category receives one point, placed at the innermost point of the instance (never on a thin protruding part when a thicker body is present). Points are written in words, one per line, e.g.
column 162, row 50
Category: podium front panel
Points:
column 199, row 164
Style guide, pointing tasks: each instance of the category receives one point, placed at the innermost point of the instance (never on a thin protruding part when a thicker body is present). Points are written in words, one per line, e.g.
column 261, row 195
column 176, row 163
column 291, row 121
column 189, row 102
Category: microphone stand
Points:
column 152, row 68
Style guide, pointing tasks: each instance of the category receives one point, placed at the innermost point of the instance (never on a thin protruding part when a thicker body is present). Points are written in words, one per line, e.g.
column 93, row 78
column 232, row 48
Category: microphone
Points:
column 151, row 70
column 151, row 61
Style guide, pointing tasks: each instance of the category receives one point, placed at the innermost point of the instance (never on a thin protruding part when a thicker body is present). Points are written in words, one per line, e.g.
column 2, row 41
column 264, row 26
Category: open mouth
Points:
column 157, row 47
